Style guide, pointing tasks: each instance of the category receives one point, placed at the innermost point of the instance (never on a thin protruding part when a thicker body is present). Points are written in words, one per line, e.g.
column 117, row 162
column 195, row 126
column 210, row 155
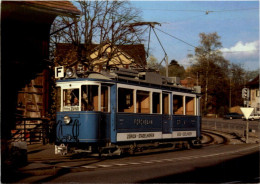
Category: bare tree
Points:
column 102, row 23
column 212, row 68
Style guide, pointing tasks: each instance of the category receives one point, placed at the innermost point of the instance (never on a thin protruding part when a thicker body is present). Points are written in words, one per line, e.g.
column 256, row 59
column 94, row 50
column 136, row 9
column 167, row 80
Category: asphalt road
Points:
column 221, row 163
column 214, row 163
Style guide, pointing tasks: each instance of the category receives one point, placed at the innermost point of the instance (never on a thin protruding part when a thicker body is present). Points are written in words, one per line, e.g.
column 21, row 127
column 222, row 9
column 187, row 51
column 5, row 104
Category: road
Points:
column 232, row 161
column 212, row 163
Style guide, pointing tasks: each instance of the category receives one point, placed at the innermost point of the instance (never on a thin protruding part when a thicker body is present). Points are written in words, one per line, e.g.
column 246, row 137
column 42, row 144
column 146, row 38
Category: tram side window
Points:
column 71, row 99
column 177, row 104
column 104, row 99
column 89, row 99
column 190, row 105
column 142, row 102
column 156, row 102
column 165, row 104
column 125, row 100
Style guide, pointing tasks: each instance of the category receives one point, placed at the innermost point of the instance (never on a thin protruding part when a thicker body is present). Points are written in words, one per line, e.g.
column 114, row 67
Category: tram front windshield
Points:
column 81, row 99
column 71, row 100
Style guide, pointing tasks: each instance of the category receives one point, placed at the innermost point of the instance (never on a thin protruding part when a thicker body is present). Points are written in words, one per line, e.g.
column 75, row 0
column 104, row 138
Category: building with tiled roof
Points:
column 254, row 97
column 25, row 34
column 126, row 56
column 64, row 7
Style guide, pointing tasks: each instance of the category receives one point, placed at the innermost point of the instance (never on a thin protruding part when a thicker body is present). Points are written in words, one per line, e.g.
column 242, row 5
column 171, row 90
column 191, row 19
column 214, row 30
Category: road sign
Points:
column 246, row 111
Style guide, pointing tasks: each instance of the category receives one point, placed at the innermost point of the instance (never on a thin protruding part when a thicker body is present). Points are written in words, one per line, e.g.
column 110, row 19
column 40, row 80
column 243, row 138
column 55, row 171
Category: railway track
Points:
column 151, row 158
column 209, row 137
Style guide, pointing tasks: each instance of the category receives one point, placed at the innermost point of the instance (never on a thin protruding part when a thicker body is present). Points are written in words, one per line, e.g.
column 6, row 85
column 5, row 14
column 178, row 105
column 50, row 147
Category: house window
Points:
column 257, row 93
column 253, row 95
column 258, row 107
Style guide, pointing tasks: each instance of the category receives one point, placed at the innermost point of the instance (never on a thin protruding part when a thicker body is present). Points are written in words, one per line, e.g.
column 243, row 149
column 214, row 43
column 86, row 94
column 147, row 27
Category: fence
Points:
column 31, row 130
column 237, row 127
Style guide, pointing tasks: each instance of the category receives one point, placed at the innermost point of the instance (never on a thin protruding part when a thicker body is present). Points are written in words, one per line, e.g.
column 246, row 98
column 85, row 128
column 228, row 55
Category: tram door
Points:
column 166, row 117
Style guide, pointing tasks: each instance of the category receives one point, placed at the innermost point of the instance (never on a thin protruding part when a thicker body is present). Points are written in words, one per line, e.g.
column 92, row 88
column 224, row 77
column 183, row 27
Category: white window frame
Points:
column 169, row 101
column 160, row 97
column 184, row 95
column 108, row 88
column 135, row 88
column 78, row 84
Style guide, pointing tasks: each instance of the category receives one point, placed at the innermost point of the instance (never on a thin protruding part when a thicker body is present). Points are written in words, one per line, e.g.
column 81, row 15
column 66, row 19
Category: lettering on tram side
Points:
column 143, row 122
column 184, row 134
column 140, row 136
column 148, row 135
column 131, row 136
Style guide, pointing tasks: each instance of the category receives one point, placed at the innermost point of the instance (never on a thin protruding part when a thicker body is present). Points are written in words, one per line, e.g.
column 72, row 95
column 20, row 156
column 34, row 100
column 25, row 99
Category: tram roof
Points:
column 149, row 79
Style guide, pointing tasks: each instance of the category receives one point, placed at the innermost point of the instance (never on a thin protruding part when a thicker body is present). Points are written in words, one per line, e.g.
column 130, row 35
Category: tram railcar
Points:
column 124, row 110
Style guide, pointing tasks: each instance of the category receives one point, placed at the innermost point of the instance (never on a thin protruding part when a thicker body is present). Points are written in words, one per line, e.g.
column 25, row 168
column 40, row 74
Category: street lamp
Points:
column 229, row 93
column 230, row 90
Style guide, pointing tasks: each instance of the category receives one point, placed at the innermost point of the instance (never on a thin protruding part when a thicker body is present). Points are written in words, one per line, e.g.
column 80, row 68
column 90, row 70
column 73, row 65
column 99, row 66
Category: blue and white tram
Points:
column 123, row 110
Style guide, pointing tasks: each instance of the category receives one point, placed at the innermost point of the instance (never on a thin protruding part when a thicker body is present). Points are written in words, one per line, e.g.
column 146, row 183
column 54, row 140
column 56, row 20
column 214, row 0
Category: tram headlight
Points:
column 67, row 120
column 69, row 72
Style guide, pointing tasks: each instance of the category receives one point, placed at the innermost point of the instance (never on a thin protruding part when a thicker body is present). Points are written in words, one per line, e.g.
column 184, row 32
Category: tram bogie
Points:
column 116, row 112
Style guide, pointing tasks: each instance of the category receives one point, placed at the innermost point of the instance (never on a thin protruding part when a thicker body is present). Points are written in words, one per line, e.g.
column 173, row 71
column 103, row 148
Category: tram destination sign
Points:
column 59, row 72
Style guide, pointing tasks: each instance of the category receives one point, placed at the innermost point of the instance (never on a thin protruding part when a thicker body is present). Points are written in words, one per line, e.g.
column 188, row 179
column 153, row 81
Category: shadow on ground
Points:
column 243, row 169
column 35, row 151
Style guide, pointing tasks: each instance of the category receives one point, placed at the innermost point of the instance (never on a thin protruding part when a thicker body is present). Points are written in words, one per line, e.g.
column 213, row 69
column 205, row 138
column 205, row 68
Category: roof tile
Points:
column 63, row 6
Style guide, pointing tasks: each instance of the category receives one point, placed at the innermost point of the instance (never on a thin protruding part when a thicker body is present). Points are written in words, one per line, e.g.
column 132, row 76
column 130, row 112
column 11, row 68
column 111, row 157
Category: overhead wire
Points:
column 206, row 12
column 230, row 10
column 229, row 52
column 245, row 9
column 154, row 9
column 176, row 38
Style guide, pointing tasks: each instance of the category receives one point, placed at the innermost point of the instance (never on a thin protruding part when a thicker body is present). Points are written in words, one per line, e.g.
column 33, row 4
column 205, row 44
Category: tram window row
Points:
column 130, row 99
column 149, row 102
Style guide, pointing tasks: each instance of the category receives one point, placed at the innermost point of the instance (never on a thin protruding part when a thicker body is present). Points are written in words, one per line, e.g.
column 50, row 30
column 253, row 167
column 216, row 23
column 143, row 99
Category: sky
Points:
column 236, row 22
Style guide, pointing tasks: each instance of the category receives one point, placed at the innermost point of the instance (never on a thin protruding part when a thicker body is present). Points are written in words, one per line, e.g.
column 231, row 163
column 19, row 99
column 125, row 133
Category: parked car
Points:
column 252, row 117
column 233, row 115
